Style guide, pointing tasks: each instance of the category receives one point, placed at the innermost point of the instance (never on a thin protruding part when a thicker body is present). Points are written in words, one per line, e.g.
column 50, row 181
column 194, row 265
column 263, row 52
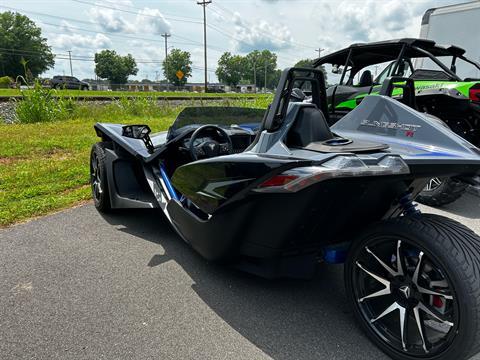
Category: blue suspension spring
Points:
column 409, row 208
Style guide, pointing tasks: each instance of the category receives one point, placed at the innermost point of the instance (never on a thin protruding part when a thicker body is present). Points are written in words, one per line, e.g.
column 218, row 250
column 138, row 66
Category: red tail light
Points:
column 278, row 180
column 475, row 93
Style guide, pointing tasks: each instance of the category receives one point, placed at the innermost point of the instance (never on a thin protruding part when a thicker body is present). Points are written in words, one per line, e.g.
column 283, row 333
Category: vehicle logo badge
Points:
column 405, row 290
column 212, row 146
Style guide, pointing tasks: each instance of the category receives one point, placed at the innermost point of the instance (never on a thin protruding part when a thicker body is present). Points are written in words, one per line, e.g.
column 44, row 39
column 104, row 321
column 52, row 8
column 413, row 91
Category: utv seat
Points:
column 366, row 79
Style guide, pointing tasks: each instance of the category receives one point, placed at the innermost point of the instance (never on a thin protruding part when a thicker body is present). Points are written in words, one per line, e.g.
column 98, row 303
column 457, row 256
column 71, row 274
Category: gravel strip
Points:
column 7, row 112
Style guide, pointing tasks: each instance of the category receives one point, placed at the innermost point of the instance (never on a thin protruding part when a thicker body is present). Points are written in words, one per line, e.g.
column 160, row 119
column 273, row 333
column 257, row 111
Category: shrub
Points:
column 40, row 105
column 5, row 82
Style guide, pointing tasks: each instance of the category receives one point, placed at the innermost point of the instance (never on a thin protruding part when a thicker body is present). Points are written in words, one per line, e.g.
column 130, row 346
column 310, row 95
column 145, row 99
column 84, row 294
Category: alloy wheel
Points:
column 433, row 184
column 95, row 178
column 405, row 297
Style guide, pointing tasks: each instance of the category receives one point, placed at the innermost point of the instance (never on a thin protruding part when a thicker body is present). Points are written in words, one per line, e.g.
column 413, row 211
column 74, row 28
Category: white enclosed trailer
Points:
column 455, row 25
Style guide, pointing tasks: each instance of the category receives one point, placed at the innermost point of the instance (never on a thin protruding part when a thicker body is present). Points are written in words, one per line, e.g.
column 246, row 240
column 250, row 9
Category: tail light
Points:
column 278, row 180
column 475, row 93
column 341, row 166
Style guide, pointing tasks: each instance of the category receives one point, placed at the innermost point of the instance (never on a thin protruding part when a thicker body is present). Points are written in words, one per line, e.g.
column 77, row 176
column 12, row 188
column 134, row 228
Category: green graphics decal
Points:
column 462, row 87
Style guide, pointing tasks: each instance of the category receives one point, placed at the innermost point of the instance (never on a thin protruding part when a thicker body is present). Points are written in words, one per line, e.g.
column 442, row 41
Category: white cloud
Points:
column 72, row 40
column 152, row 20
column 110, row 20
column 260, row 35
column 145, row 21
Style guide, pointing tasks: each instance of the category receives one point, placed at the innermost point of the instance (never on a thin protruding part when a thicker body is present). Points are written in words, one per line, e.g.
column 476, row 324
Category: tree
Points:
column 116, row 68
column 177, row 60
column 230, row 69
column 255, row 65
column 21, row 39
column 308, row 63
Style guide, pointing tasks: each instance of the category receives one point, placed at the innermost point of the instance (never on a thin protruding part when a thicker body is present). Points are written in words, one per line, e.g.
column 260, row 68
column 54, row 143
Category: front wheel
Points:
column 441, row 191
column 414, row 284
column 98, row 177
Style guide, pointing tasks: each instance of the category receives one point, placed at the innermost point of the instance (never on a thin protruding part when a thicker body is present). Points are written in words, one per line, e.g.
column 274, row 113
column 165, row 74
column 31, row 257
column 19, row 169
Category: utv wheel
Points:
column 414, row 284
column 98, row 177
column 441, row 191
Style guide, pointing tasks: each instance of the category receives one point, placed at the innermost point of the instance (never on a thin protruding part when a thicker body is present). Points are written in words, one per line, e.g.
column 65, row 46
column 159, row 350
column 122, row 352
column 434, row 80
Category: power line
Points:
column 260, row 30
column 170, row 17
column 190, row 42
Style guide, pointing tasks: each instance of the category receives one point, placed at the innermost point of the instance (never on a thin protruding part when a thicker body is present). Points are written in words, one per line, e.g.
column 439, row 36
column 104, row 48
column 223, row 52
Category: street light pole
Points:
column 166, row 36
column 204, row 4
column 70, row 58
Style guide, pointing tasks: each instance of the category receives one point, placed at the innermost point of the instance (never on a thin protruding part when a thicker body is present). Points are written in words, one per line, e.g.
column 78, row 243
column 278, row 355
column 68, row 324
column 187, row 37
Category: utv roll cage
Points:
column 357, row 56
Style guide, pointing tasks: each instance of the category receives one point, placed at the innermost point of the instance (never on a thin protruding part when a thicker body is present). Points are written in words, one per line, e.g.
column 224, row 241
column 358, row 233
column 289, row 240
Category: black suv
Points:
column 68, row 82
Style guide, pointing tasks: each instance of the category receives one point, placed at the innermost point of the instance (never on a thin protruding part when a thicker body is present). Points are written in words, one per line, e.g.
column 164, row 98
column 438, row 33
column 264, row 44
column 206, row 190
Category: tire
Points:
column 449, row 258
column 98, row 177
column 84, row 88
column 445, row 191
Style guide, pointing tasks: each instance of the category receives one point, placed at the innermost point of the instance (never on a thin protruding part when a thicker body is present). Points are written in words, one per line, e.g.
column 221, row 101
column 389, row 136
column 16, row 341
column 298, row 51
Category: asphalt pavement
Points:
column 79, row 285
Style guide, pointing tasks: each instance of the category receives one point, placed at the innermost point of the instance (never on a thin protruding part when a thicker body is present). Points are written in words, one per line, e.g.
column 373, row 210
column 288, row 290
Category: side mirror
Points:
column 141, row 132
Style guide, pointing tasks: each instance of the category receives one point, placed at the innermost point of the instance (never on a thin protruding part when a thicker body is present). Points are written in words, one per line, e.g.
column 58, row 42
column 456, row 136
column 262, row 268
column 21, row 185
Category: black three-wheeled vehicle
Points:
column 274, row 194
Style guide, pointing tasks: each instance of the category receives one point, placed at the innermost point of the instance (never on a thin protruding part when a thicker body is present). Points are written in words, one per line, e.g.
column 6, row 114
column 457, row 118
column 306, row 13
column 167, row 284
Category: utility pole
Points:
column 255, row 76
column 70, row 57
column 166, row 36
column 265, row 83
column 204, row 4
column 319, row 51
column 376, row 70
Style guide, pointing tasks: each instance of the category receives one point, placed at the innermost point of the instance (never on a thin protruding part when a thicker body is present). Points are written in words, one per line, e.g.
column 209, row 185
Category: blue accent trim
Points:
column 336, row 254
column 170, row 188
column 250, row 126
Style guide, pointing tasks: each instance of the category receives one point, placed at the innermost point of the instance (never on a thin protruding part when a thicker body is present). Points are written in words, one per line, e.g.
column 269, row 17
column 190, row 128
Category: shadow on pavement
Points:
column 467, row 206
column 286, row 319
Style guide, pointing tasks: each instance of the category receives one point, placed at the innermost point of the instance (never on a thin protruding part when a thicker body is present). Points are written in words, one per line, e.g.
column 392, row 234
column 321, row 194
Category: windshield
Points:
column 218, row 115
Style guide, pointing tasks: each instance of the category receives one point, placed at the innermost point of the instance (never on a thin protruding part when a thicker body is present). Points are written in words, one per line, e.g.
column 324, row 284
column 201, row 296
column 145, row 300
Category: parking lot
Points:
column 78, row 285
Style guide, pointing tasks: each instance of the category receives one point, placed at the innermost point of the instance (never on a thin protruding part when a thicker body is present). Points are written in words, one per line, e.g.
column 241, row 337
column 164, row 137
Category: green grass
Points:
column 44, row 167
column 171, row 94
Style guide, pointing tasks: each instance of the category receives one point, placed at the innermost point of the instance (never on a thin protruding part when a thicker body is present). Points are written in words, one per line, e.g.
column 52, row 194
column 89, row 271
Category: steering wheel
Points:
column 210, row 148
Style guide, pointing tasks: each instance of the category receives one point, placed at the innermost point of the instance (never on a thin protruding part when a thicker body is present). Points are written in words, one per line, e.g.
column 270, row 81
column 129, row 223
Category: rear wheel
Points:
column 441, row 191
column 98, row 177
column 414, row 284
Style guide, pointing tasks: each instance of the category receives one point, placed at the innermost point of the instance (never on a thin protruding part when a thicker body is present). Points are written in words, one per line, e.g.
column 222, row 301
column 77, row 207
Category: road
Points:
column 78, row 285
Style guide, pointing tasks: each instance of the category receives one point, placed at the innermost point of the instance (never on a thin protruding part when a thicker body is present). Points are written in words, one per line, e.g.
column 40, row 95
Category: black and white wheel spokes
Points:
column 95, row 177
column 433, row 184
column 408, row 284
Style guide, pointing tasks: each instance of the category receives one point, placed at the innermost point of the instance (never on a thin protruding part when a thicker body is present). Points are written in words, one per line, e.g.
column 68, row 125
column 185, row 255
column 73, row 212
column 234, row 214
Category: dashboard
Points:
column 241, row 139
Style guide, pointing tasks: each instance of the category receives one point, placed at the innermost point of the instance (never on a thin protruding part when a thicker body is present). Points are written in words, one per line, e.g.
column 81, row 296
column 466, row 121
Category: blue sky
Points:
column 294, row 29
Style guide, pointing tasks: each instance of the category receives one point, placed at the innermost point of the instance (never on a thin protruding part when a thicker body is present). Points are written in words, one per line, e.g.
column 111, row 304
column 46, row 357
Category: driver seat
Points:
column 309, row 126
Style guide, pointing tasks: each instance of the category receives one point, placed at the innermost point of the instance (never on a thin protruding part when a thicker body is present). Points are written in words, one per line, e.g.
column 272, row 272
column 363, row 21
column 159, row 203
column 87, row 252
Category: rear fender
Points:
column 217, row 182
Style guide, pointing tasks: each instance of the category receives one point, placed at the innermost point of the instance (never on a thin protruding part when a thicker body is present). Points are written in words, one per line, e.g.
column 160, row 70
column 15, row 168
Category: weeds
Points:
column 40, row 105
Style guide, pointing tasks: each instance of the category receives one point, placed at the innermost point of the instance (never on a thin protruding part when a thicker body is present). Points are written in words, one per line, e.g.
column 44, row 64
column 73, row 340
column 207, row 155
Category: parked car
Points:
column 68, row 82
column 441, row 89
column 273, row 193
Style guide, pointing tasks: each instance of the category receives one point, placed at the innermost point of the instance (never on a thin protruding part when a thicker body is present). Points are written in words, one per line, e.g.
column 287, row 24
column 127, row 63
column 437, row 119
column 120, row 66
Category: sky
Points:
column 293, row 29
